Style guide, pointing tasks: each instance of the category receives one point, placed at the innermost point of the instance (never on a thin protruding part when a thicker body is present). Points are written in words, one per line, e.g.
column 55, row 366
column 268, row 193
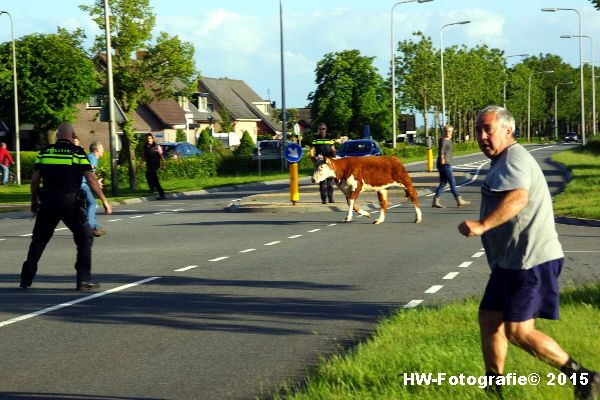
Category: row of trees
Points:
column 476, row 77
column 351, row 93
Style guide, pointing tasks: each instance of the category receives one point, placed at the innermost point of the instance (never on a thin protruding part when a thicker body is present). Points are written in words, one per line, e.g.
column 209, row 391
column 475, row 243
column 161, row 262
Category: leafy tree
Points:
column 204, row 140
column 596, row 4
column 54, row 75
column 180, row 135
column 166, row 67
column 350, row 93
column 246, row 145
column 417, row 72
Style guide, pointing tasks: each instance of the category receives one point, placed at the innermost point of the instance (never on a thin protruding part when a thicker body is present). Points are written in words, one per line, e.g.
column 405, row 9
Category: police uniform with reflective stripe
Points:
column 324, row 147
column 61, row 167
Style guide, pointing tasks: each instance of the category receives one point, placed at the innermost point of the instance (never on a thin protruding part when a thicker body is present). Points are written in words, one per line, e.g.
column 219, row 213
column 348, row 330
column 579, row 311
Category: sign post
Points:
column 293, row 153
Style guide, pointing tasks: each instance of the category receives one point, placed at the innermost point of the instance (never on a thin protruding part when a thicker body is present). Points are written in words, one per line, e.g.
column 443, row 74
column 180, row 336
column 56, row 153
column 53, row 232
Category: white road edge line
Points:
column 80, row 300
column 412, row 303
column 434, row 289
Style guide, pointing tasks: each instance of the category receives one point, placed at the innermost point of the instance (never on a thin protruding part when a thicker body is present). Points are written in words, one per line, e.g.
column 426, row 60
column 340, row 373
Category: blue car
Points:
column 359, row 147
column 177, row 150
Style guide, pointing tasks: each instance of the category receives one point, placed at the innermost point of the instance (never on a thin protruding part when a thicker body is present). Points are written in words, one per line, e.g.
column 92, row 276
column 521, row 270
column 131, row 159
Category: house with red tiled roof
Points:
column 248, row 111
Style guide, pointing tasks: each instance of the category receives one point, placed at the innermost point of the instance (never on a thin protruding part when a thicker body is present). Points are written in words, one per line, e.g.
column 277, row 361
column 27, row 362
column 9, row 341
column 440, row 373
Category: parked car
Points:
column 269, row 150
column 359, row 147
column 571, row 137
column 176, row 150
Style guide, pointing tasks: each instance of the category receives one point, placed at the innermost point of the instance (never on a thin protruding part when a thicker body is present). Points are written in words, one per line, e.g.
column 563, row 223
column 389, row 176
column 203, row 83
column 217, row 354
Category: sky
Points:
column 240, row 39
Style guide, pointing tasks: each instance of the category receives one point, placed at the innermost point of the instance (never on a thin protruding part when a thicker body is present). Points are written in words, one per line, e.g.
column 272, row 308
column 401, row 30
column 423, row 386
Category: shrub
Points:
column 246, row 145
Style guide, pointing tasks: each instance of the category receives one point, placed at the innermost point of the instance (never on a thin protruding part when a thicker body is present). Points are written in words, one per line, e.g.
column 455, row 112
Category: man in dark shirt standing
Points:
column 60, row 167
column 323, row 145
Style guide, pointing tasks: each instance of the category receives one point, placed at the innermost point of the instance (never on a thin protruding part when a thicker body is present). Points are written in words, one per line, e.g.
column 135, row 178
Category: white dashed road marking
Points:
column 219, row 259
column 451, row 275
column 412, row 303
column 186, row 268
column 478, row 254
column 247, row 250
column 465, row 264
column 314, row 230
column 434, row 289
column 272, row 243
column 294, row 236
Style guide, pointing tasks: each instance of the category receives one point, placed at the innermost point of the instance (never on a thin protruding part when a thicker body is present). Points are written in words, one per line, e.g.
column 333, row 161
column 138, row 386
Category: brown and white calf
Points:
column 354, row 175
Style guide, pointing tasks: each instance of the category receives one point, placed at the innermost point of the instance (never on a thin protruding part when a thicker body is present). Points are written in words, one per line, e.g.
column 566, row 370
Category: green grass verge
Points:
column 581, row 197
column 446, row 340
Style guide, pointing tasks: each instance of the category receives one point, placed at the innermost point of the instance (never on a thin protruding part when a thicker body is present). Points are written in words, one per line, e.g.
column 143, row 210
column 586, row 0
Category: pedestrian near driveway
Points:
column 60, row 168
column 153, row 156
column 96, row 152
column 5, row 161
column 323, row 145
column 444, row 167
column 517, row 230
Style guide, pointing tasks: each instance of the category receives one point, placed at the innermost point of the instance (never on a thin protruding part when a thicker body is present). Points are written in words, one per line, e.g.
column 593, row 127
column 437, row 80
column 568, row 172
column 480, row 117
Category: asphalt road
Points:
column 197, row 303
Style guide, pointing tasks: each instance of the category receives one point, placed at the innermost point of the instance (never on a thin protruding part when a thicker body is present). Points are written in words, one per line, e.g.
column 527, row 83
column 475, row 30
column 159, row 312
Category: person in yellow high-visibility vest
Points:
column 323, row 145
column 60, row 168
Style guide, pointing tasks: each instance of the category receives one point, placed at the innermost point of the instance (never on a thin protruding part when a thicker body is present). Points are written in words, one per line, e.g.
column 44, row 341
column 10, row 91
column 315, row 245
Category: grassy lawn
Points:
column 446, row 340
column 581, row 197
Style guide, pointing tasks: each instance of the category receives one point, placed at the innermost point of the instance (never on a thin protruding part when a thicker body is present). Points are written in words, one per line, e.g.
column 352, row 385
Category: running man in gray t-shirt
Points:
column 520, row 240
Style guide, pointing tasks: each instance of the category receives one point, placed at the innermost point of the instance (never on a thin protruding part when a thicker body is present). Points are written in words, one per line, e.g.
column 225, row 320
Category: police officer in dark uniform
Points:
column 60, row 167
column 323, row 145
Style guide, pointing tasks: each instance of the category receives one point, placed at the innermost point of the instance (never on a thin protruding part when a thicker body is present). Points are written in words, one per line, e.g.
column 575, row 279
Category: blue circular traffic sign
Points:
column 293, row 152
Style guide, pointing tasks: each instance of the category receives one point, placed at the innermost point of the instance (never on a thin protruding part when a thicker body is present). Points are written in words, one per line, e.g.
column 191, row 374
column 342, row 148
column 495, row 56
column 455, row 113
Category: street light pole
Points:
column 394, row 119
column 556, row 108
column 594, row 126
column 283, row 111
column 582, row 96
column 16, row 95
column 114, row 180
column 442, row 66
column 504, row 87
column 529, row 102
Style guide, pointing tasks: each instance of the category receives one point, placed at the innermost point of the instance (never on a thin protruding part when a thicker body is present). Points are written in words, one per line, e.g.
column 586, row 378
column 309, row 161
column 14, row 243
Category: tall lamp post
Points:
column 529, row 101
column 16, row 95
column 283, row 111
column 593, row 79
column 442, row 65
column 394, row 122
column 556, row 107
column 112, row 132
column 504, row 87
column 582, row 96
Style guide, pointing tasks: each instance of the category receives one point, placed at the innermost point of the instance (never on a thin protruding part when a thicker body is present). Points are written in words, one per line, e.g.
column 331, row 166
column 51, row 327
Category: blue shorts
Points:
column 524, row 294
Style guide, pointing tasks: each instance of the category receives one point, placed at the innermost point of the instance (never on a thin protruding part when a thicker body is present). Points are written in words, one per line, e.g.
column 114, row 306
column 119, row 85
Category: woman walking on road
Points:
column 444, row 167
